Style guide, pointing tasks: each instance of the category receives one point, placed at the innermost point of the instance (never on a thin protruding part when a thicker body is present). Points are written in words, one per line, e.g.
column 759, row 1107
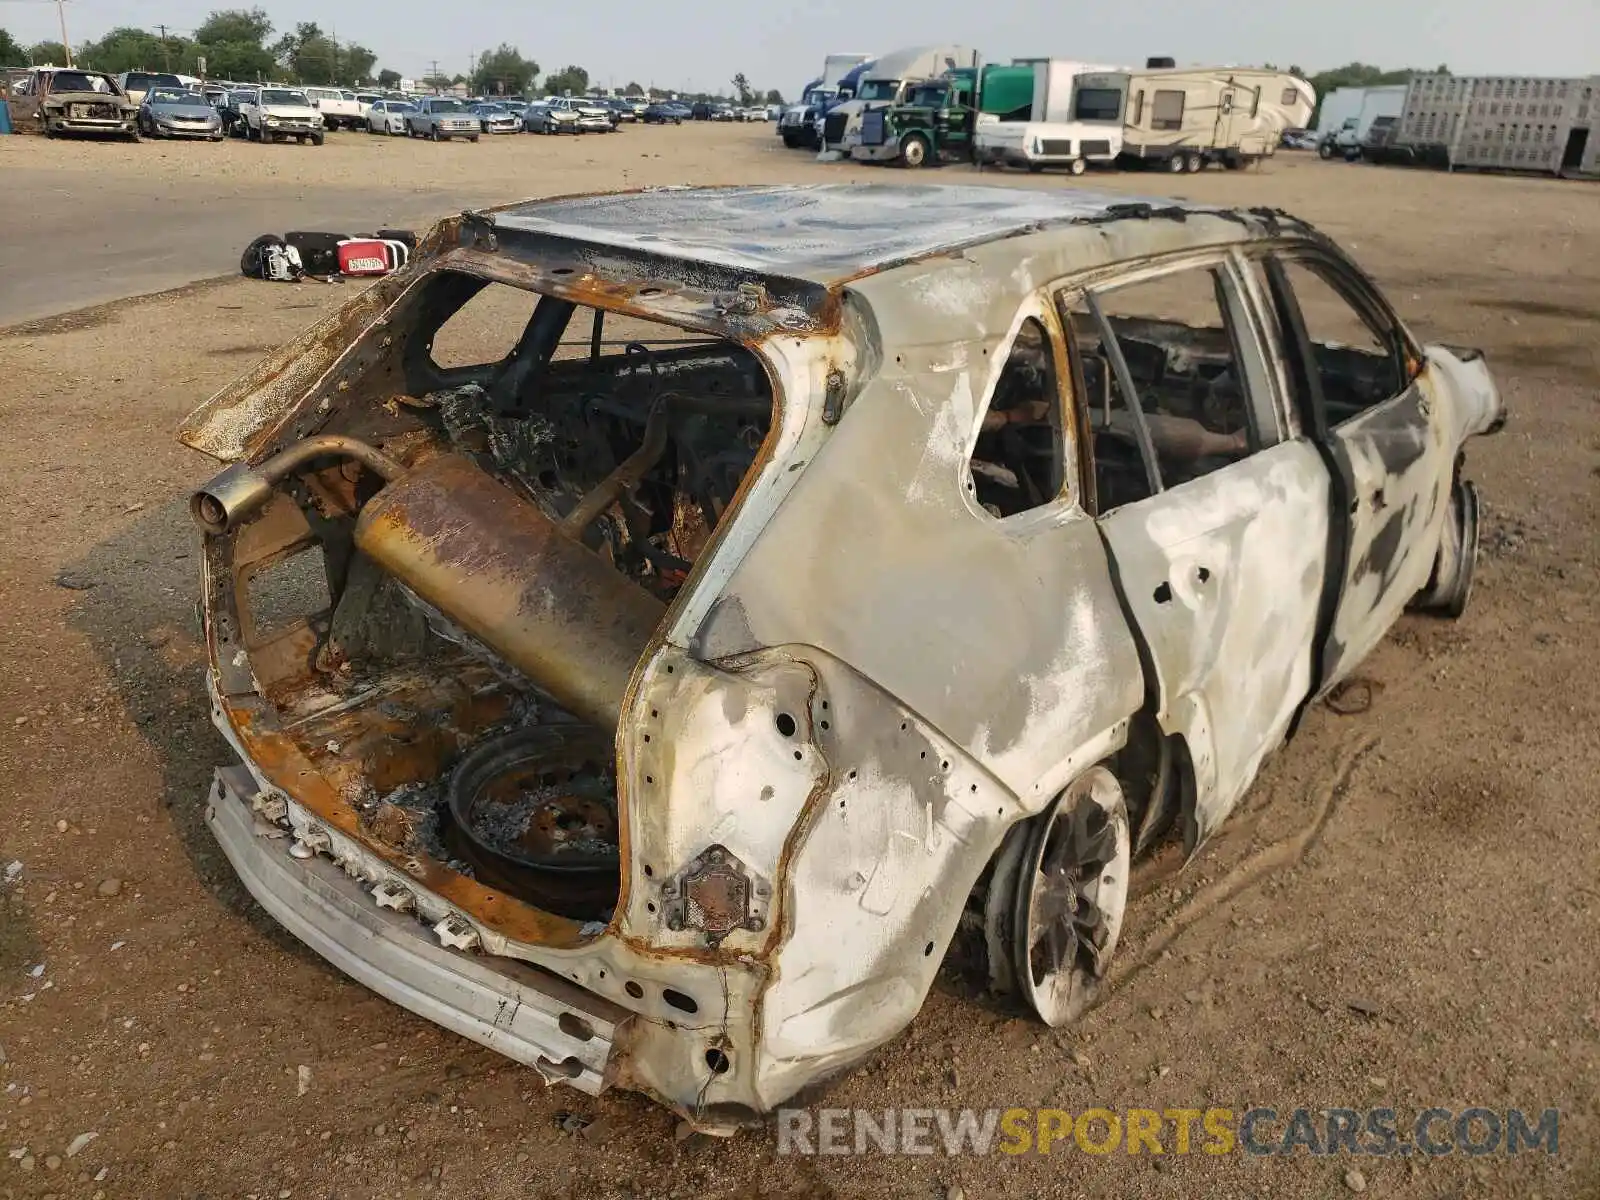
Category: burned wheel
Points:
column 1450, row 586
column 1077, row 166
column 1071, row 889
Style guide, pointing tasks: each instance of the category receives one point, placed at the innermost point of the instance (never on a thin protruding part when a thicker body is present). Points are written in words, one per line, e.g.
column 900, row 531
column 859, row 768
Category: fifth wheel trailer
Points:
column 1182, row 119
column 1500, row 122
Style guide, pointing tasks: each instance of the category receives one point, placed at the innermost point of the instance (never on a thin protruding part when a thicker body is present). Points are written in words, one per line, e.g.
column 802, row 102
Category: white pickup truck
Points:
column 339, row 107
column 272, row 114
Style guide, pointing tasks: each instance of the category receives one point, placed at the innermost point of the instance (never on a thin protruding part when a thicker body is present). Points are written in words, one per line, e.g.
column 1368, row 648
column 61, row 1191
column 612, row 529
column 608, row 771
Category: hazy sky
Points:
column 699, row 44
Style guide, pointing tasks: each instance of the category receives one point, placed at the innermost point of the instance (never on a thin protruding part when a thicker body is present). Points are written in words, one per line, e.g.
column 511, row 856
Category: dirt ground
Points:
column 1404, row 911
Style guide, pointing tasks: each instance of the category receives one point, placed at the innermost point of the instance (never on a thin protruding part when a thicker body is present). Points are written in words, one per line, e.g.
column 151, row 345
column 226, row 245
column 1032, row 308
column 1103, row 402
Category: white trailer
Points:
column 1050, row 137
column 1500, row 122
column 1338, row 106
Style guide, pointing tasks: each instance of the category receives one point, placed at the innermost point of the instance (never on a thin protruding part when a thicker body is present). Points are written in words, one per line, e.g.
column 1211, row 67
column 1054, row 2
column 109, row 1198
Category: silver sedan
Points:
column 389, row 116
column 172, row 112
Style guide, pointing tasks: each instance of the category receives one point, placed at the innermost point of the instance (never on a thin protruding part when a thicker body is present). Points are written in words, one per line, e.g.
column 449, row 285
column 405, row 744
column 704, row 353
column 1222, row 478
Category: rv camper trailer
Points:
column 1183, row 119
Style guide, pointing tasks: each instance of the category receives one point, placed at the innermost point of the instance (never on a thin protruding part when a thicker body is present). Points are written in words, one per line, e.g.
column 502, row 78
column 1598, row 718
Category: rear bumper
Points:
column 506, row 1006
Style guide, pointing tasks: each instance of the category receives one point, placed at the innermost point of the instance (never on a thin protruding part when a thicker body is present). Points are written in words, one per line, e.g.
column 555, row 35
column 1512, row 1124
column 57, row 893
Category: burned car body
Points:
column 817, row 572
column 62, row 101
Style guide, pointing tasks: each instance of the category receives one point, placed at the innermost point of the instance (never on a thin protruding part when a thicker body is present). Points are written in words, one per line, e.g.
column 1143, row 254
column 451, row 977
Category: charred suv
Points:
column 653, row 626
column 57, row 102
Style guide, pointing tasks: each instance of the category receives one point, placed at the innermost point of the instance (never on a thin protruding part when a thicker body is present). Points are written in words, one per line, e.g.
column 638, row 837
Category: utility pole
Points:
column 433, row 76
column 166, row 54
column 61, row 11
column 472, row 70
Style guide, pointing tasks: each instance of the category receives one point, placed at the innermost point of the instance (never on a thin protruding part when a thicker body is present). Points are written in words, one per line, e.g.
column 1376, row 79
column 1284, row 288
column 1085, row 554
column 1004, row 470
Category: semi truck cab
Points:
column 935, row 122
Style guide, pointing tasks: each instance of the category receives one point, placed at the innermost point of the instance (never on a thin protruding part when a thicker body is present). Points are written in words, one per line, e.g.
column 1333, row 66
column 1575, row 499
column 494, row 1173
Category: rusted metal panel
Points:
column 509, row 576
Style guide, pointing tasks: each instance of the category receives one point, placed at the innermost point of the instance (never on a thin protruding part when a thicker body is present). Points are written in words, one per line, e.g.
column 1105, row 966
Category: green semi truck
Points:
column 938, row 120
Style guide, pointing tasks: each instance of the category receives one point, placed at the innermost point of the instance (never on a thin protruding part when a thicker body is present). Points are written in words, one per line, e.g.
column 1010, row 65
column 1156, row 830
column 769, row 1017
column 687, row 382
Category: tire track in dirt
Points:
column 1280, row 855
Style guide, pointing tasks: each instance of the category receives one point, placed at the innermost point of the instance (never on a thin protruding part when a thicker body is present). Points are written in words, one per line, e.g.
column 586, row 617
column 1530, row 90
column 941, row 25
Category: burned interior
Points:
column 578, row 460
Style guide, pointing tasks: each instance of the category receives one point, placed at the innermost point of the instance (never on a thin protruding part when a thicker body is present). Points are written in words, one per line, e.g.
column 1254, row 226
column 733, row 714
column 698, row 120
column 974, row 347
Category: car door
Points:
column 1368, row 402
column 23, row 104
column 1214, row 510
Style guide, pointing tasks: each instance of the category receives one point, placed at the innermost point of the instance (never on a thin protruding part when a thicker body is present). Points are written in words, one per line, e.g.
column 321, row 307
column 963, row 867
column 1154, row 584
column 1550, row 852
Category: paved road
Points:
column 82, row 240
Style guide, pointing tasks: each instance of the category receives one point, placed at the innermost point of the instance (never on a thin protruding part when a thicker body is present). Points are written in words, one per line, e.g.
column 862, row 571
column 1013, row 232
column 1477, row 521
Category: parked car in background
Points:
column 638, row 104
column 622, row 110
column 136, row 83
column 662, row 113
column 213, row 93
column 339, row 108
column 273, row 114
column 389, row 116
column 64, row 100
column 544, row 116
column 1298, row 139
column 366, row 100
column 1192, row 467
column 774, row 112
column 751, row 113
column 168, row 112
column 229, row 110
column 592, row 117
column 442, row 118
column 495, row 118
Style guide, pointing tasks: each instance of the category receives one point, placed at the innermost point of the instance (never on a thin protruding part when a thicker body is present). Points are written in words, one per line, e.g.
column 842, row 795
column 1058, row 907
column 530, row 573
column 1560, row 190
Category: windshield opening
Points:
column 929, row 95
column 446, row 106
column 878, row 89
column 279, row 96
column 79, row 81
column 143, row 81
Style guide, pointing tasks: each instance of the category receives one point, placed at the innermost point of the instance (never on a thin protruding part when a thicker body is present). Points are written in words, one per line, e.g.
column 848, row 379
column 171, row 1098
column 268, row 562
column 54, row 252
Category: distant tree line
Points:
column 238, row 44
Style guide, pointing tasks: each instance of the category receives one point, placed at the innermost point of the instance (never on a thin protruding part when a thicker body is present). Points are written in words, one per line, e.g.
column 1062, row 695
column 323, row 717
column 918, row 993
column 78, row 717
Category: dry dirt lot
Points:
column 1404, row 910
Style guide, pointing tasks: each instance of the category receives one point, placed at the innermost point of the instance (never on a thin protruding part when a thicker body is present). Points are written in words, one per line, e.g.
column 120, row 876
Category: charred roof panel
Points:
column 824, row 233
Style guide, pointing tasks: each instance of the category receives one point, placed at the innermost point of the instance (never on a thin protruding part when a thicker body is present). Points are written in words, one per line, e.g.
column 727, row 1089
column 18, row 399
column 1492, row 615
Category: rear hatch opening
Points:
column 423, row 620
